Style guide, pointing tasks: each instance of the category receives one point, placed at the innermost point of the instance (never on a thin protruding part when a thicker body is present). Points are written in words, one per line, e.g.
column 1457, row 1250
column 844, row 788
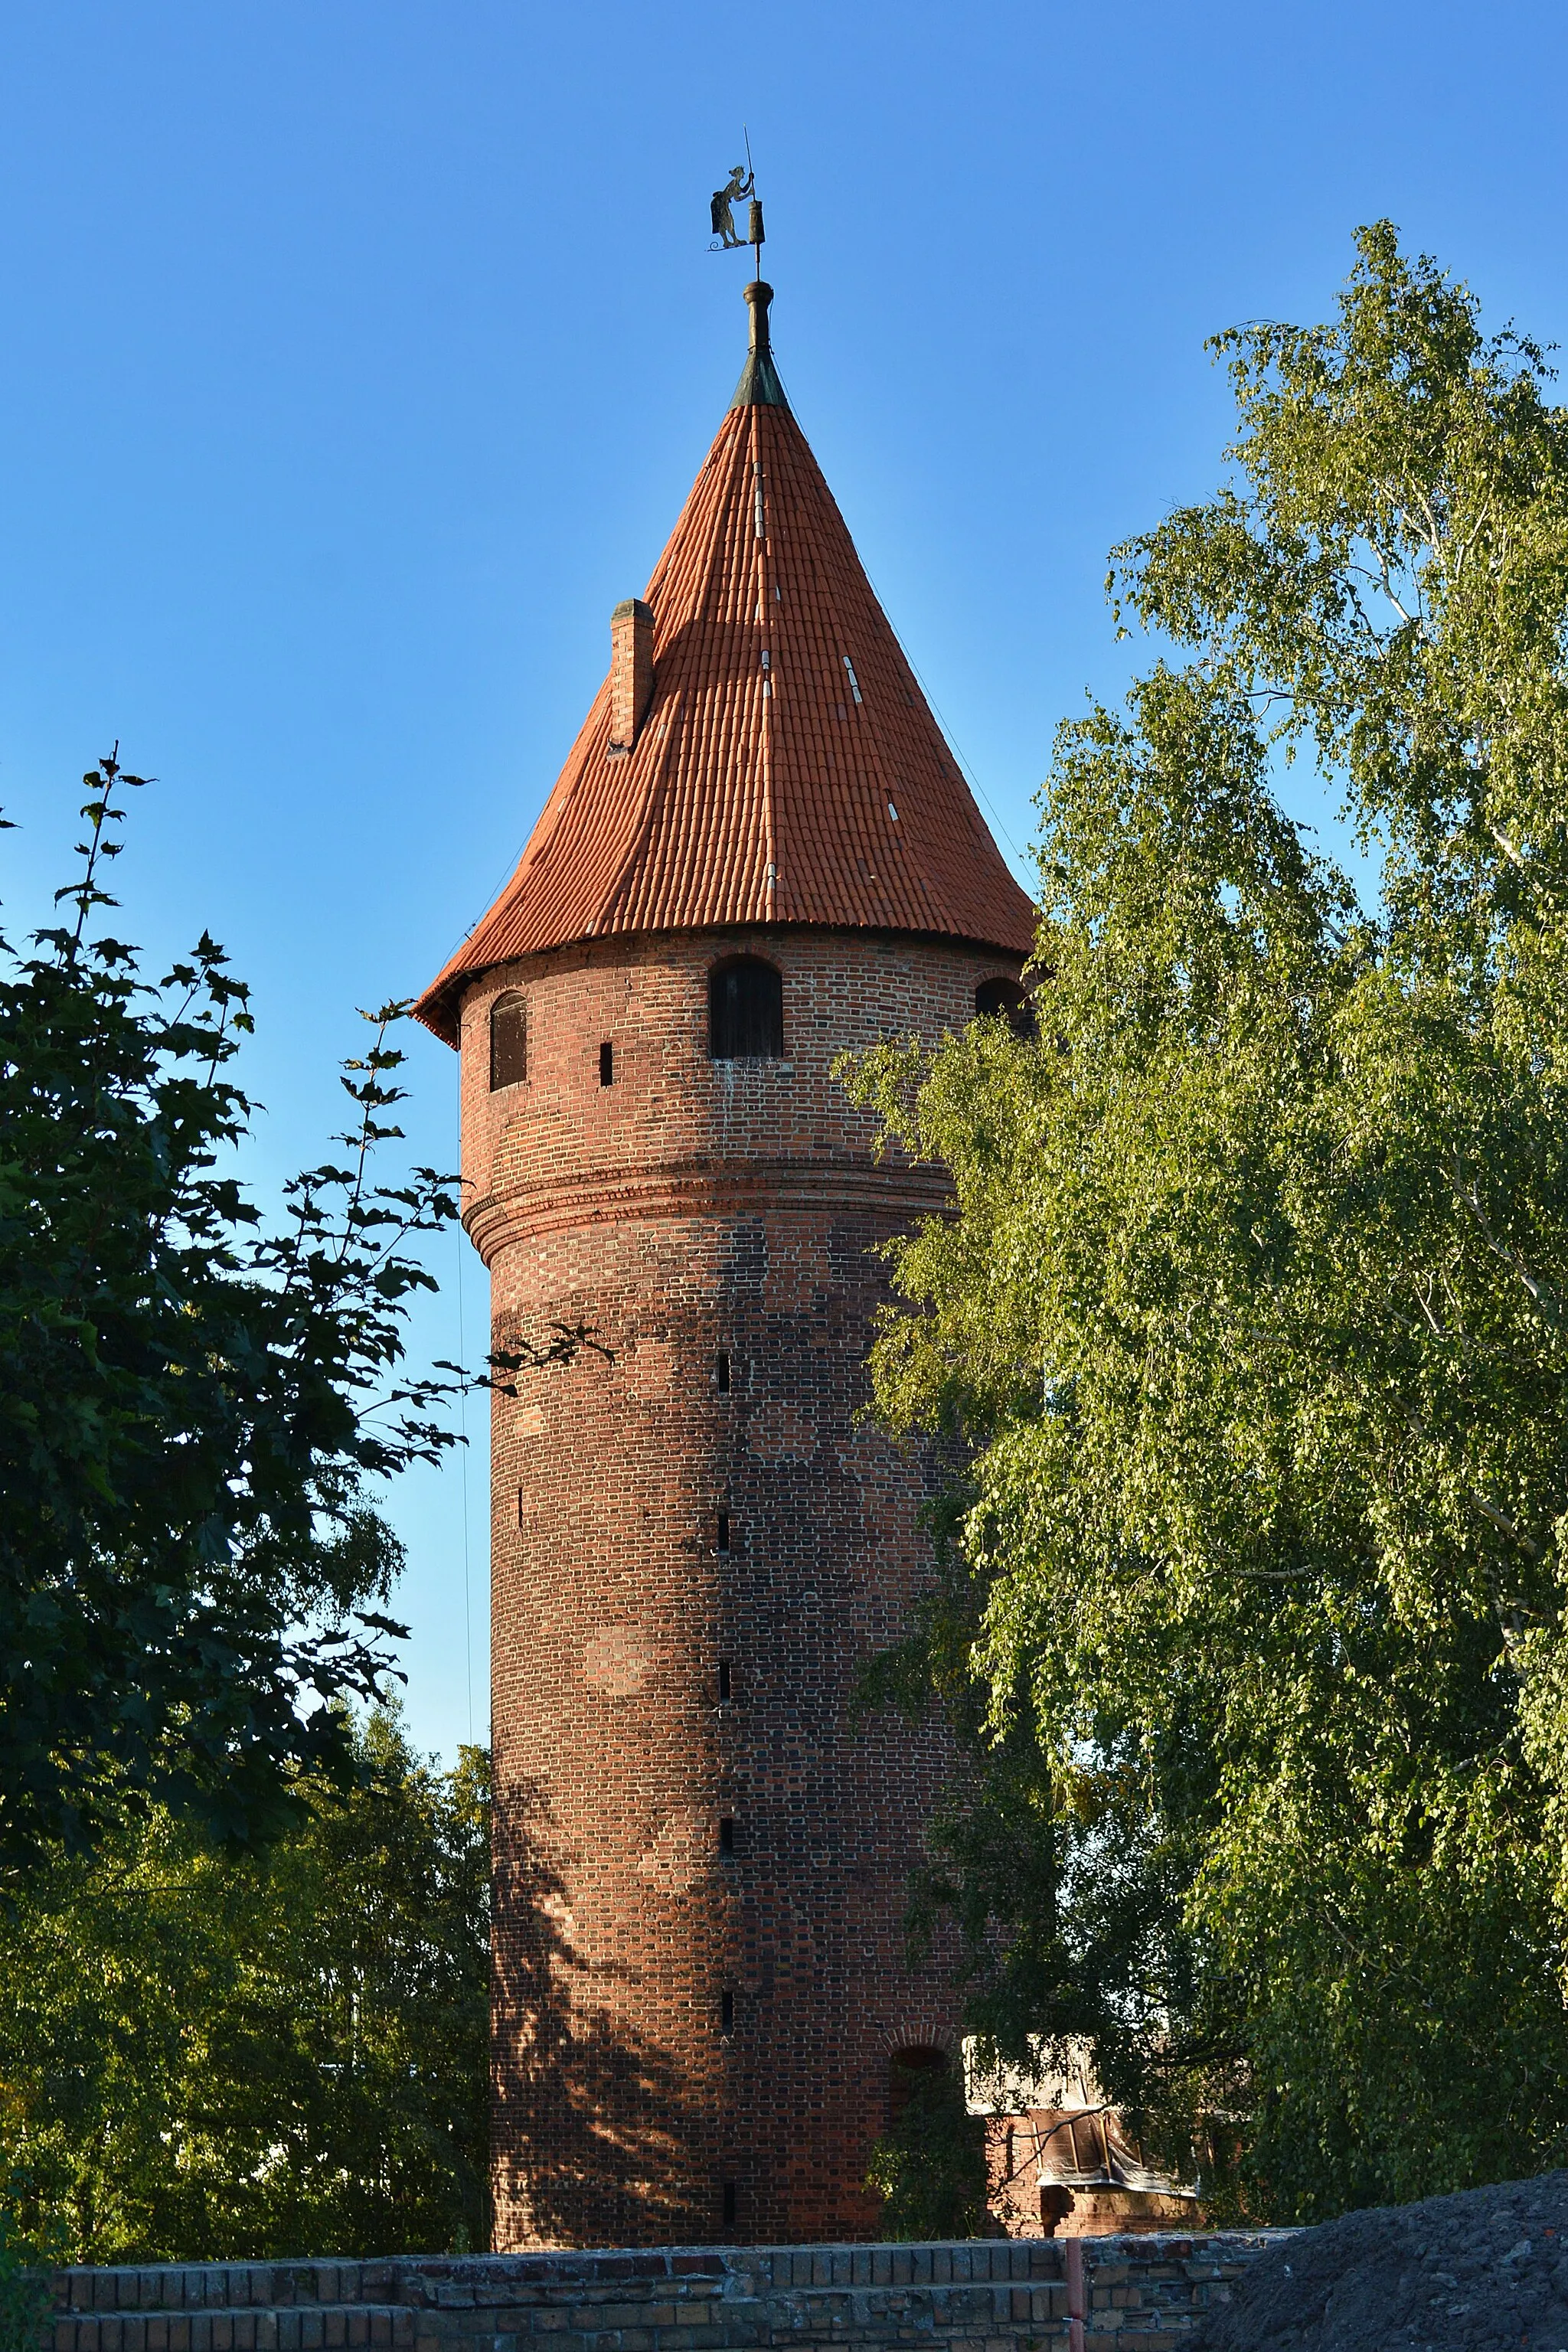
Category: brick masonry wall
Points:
column 1135, row 2294
column 694, row 2024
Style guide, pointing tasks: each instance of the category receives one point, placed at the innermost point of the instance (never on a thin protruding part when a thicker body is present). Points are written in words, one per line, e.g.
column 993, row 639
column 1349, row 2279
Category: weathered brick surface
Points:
column 1146, row 2293
column 688, row 1208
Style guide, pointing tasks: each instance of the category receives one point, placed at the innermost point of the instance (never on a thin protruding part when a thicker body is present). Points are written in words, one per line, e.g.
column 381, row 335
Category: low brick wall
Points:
column 1145, row 2294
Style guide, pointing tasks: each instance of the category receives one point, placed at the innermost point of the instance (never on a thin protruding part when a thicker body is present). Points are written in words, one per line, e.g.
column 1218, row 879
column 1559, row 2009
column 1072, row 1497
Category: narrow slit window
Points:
column 509, row 1041
column 521, row 1509
column 726, row 2013
column 606, row 1063
column 729, row 2204
column 724, row 1684
column 723, row 1531
column 721, row 1371
column 727, row 1835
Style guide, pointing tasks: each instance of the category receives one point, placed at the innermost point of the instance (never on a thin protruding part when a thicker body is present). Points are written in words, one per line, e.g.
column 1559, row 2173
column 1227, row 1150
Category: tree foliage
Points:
column 929, row 2167
column 191, row 1402
column 206, row 2055
column 1252, row 1311
column 26, row 2307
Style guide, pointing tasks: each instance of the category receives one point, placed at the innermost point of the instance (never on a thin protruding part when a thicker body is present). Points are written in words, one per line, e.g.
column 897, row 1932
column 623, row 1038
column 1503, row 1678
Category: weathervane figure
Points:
column 740, row 183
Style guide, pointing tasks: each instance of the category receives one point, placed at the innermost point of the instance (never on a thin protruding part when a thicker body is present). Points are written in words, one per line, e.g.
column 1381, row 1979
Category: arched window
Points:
column 1007, row 999
column 745, row 1010
column 922, row 2070
column 508, row 1040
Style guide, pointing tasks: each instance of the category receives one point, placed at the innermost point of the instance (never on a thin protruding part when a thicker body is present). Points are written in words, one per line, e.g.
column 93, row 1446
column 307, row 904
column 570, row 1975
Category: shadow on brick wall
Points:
column 592, row 2139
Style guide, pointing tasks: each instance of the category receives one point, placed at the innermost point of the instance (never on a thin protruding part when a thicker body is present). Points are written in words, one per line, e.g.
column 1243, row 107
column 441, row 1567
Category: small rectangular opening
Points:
column 508, row 1040
column 722, row 1372
column 727, row 1835
column 729, row 2204
column 723, row 1531
column 606, row 1063
column 521, row 1507
column 723, row 1680
column 727, row 2012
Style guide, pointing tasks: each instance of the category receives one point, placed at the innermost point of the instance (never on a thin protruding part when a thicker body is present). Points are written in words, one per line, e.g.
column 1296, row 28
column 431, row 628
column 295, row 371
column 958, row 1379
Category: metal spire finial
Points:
column 759, row 386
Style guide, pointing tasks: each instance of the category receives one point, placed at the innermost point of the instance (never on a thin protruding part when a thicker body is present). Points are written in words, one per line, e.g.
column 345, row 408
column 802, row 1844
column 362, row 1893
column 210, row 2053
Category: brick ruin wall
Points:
column 1097, row 2295
column 694, row 2023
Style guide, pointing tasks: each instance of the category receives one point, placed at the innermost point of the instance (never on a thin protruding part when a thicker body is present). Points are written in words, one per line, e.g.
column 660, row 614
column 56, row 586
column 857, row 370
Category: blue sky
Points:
column 355, row 358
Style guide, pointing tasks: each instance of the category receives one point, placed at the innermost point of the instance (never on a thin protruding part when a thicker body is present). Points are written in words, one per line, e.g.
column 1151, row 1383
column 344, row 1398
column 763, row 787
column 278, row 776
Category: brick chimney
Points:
column 631, row 671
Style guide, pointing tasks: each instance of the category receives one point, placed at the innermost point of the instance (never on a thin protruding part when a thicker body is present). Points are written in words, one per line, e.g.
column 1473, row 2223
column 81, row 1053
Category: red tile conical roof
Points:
column 787, row 769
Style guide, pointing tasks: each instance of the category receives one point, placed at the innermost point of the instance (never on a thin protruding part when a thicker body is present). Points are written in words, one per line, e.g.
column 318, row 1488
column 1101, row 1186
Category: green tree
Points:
column 928, row 2167
column 1251, row 1316
column 206, row 2055
column 26, row 2314
column 191, row 1404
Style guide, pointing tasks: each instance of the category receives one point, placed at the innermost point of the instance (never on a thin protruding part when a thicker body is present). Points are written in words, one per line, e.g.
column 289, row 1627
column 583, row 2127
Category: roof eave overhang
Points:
column 440, row 1007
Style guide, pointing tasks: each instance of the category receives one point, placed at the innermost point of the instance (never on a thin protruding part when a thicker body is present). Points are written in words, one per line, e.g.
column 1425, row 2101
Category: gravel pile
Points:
column 1484, row 2272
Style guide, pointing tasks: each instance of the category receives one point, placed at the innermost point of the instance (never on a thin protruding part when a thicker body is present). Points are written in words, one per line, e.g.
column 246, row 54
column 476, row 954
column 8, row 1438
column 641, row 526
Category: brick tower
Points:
column 759, row 854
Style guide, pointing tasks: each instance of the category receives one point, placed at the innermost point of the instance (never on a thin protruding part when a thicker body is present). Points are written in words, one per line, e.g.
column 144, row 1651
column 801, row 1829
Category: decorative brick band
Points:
column 1139, row 2295
column 605, row 1195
